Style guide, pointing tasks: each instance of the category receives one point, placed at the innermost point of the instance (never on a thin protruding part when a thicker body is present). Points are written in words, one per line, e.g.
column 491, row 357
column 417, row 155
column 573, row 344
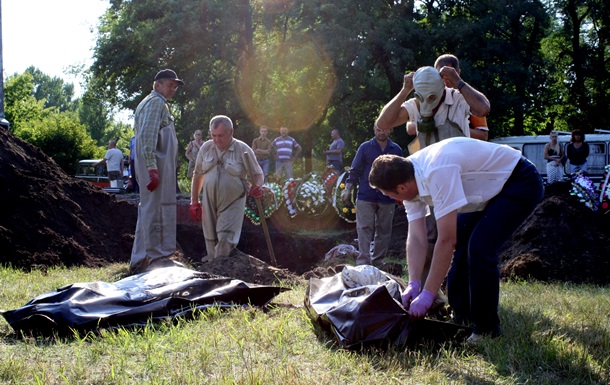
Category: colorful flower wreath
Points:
column 277, row 190
column 268, row 201
column 604, row 193
column 584, row 189
column 289, row 193
column 310, row 197
column 347, row 213
column 330, row 179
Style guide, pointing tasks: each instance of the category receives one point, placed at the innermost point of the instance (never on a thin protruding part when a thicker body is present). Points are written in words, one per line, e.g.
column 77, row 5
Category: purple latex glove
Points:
column 421, row 304
column 411, row 292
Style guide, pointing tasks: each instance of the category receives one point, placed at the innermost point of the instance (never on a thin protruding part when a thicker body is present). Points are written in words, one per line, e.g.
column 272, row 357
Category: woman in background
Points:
column 577, row 152
column 192, row 150
column 553, row 155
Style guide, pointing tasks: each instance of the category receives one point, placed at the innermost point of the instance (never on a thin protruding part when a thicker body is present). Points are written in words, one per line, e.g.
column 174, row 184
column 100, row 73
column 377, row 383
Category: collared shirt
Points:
column 151, row 115
column 232, row 160
column 361, row 167
column 261, row 144
column 285, row 147
column 459, row 174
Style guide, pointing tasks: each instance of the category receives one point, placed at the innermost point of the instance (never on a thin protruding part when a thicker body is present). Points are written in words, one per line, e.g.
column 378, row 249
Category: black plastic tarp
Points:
column 157, row 295
column 370, row 315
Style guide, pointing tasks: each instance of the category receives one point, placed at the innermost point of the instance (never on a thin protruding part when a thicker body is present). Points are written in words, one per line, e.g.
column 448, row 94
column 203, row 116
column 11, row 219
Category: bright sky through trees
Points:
column 50, row 35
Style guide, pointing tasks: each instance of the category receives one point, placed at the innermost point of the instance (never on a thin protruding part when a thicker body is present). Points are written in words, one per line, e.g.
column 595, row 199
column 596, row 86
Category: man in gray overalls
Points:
column 221, row 178
column 155, row 162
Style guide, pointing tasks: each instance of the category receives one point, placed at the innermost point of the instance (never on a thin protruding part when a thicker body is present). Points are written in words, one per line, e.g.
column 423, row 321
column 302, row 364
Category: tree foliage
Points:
column 53, row 90
column 57, row 133
column 315, row 65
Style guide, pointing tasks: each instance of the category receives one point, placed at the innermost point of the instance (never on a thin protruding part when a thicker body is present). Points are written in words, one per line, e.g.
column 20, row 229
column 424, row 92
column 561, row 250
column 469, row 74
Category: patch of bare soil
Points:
column 562, row 240
column 50, row 218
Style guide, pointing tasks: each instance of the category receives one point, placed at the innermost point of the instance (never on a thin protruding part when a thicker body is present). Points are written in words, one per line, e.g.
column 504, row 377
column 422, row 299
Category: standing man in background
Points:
column 334, row 154
column 262, row 149
column 114, row 164
column 374, row 211
column 156, row 161
column 135, row 187
column 287, row 150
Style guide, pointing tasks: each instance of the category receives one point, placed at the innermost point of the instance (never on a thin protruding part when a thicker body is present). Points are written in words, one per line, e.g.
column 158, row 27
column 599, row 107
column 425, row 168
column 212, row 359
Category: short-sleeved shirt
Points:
column 285, row 147
column 261, row 144
column 459, row 174
column 232, row 160
column 335, row 145
column 361, row 167
column 113, row 157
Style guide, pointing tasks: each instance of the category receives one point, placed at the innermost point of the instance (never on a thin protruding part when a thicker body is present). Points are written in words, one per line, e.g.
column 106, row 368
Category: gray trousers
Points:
column 373, row 224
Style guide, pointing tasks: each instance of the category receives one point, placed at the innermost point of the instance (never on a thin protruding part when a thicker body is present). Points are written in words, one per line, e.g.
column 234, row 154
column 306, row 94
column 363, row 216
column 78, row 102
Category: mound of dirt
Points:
column 50, row 218
column 562, row 240
column 249, row 269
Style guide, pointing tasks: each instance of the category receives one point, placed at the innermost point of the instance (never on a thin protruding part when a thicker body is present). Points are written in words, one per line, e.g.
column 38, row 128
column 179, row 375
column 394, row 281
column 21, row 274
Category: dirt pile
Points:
column 562, row 240
column 50, row 218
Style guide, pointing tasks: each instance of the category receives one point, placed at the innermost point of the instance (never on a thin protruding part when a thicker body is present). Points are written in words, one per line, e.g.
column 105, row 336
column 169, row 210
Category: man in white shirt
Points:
column 114, row 163
column 481, row 193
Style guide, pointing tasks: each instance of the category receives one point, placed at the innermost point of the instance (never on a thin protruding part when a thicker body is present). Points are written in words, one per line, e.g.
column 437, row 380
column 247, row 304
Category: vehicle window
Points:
column 596, row 161
column 535, row 153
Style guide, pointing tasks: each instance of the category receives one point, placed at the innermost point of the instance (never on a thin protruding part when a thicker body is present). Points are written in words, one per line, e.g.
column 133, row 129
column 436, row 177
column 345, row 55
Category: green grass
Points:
column 553, row 334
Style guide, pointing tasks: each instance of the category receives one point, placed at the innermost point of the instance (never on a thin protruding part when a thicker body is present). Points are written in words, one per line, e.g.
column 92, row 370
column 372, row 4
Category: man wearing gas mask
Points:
column 435, row 112
column 440, row 109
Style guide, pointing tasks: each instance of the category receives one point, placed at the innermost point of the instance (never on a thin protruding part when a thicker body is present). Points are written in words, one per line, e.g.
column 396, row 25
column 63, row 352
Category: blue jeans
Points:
column 473, row 282
column 265, row 166
column 336, row 164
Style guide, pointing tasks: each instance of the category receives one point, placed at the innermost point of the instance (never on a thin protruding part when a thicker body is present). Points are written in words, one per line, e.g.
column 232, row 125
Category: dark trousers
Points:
column 473, row 282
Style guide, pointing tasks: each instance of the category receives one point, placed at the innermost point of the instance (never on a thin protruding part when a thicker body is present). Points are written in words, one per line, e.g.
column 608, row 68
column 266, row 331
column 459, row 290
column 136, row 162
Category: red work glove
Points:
column 255, row 191
column 421, row 304
column 154, row 180
column 410, row 294
column 196, row 211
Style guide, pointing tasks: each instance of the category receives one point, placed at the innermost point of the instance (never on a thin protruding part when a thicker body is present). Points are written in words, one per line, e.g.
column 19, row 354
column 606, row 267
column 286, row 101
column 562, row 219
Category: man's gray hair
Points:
column 221, row 119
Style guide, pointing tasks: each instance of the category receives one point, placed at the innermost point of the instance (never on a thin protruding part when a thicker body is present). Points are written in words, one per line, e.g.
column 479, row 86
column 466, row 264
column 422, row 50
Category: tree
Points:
column 52, row 90
column 580, row 50
column 59, row 134
column 62, row 137
column 95, row 114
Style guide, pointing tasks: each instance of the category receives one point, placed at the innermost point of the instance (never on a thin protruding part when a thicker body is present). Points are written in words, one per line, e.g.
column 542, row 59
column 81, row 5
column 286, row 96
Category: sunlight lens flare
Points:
column 286, row 84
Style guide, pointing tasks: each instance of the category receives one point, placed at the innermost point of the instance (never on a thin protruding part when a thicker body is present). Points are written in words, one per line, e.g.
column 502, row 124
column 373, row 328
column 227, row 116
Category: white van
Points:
column 532, row 147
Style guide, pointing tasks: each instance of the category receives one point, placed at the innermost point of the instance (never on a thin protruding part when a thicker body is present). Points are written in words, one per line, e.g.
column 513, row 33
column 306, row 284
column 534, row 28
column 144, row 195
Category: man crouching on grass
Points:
column 481, row 192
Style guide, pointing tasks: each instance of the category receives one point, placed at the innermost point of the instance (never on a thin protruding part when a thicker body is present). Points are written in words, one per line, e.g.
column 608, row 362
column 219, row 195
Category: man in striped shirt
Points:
column 286, row 150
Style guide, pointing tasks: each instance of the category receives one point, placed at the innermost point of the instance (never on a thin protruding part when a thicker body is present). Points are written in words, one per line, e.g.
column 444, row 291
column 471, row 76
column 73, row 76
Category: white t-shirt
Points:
column 459, row 174
column 113, row 157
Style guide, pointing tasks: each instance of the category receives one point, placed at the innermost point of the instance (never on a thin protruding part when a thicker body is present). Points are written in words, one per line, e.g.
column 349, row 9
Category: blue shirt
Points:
column 361, row 167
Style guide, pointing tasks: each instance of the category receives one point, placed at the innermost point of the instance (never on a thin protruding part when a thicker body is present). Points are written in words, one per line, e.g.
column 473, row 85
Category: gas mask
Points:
column 429, row 88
